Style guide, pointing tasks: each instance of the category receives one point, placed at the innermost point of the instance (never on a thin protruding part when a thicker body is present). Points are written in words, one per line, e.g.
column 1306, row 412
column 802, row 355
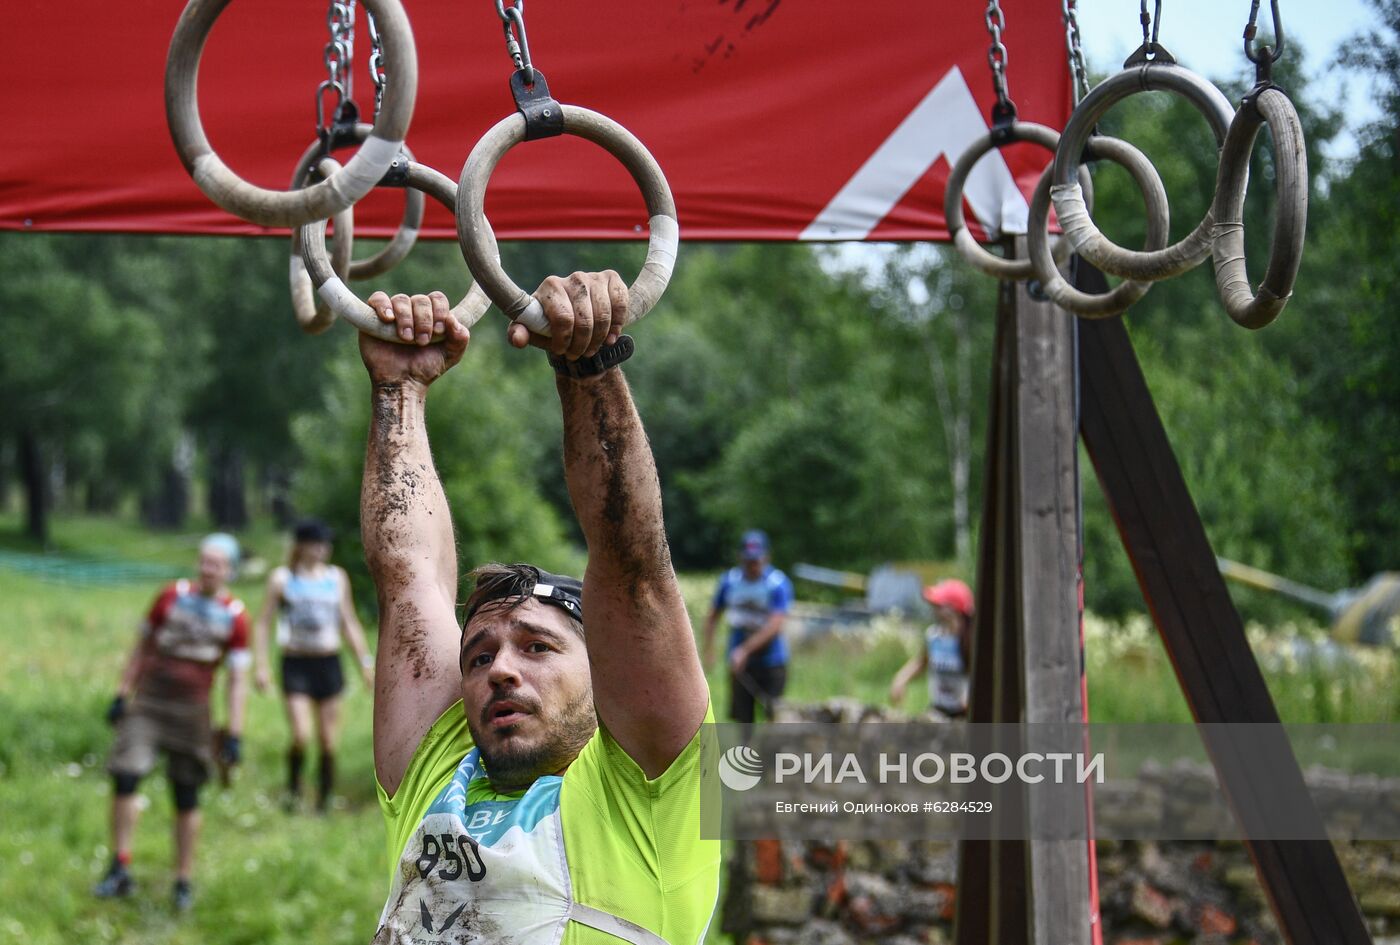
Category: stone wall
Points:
column 1151, row 892
column 895, row 893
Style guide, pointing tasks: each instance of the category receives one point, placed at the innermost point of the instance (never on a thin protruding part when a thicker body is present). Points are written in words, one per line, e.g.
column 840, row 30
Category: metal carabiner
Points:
column 1269, row 54
column 519, row 51
column 320, row 103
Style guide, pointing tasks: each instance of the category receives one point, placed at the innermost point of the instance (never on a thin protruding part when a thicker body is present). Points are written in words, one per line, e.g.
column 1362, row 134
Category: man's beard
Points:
column 519, row 765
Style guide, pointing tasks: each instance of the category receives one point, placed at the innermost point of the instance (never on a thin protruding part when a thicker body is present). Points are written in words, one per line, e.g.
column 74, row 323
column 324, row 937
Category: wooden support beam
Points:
column 1202, row 631
column 991, row 898
column 1047, row 544
column 1026, row 653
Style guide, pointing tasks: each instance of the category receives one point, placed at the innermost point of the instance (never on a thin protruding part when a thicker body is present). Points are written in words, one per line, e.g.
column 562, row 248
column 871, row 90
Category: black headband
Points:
column 557, row 590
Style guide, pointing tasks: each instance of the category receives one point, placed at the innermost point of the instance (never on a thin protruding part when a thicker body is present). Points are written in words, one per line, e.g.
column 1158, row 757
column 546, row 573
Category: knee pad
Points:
column 124, row 785
column 186, row 795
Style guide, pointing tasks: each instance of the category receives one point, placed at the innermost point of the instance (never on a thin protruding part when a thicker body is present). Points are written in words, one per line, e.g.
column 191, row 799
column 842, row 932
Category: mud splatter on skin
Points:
column 410, row 642
column 399, row 490
column 396, row 485
column 604, row 441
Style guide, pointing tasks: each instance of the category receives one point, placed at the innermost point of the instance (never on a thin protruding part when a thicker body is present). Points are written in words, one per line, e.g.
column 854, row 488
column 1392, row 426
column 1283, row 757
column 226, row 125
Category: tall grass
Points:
column 265, row 876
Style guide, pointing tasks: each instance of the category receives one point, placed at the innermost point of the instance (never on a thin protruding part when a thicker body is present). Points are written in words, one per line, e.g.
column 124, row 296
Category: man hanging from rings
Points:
column 540, row 762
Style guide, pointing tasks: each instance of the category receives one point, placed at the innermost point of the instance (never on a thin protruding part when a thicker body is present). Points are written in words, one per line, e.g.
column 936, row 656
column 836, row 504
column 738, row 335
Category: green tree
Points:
column 75, row 370
column 1343, row 338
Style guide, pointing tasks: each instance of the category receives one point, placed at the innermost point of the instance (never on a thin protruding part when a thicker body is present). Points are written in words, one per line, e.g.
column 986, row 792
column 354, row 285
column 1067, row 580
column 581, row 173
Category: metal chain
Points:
column 1078, row 71
column 339, row 56
column 518, row 50
column 376, row 63
column 996, row 54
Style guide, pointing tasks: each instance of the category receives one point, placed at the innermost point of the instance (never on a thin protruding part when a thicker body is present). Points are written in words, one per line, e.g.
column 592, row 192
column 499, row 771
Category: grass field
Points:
column 265, row 876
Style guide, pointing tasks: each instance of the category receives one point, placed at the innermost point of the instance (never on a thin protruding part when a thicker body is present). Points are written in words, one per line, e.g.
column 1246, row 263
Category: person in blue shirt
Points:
column 756, row 598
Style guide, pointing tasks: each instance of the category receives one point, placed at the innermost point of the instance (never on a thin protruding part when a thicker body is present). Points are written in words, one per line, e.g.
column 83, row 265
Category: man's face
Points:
column 214, row 570
column 753, row 567
column 527, row 692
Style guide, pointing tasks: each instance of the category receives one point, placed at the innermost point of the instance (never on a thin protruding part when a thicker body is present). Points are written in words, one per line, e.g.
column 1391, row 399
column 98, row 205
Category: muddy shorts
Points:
column 150, row 727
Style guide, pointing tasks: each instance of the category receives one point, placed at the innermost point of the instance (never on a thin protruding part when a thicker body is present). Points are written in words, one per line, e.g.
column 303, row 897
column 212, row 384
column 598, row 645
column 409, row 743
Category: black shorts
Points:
column 319, row 677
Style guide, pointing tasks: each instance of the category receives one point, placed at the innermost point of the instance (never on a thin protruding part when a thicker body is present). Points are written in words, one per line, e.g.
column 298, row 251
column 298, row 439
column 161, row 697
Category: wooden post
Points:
column 1202, row 631
column 1048, row 550
column 991, row 903
column 1026, row 651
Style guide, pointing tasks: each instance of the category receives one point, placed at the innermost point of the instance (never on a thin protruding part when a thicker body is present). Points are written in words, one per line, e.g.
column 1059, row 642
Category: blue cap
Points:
column 754, row 545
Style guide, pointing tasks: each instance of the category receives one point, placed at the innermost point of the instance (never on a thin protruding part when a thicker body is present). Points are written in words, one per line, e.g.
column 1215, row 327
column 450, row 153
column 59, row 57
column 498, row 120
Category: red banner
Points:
column 804, row 119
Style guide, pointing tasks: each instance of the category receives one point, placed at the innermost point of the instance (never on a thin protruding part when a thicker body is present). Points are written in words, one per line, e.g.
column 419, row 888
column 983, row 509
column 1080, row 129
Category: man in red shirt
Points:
column 162, row 706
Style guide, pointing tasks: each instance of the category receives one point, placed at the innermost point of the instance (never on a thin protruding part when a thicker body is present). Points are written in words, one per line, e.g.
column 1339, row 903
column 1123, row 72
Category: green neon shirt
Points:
column 633, row 846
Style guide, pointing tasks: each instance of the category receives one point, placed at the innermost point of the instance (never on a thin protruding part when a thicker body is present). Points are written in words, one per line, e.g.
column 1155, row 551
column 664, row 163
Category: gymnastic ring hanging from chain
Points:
column 1141, row 74
column 540, row 116
column 351, row 307
column 473, row 232
column 313, row 315
column 320, row 201
column 404, row 237
column 1265, row 104
column 1118, row 299
column 993, row 265
column 1272, row 107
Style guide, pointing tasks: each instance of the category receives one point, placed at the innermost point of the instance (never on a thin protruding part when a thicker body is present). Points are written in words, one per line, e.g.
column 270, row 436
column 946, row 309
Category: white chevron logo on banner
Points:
column 947, row 121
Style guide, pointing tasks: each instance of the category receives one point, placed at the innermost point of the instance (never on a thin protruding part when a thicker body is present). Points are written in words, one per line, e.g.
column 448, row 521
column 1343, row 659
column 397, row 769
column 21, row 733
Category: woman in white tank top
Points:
column 311, row 601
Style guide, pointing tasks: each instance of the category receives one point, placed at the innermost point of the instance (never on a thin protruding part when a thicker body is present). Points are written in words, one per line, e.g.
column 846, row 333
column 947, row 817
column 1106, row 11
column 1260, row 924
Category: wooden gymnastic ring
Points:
column 312, row 314
column 404, row 237
column 1271, row 107
column 1161, row 74
column 474, row 233
column 1117, row 299
column 350, row 306
column 279, row 207
column 999, row 266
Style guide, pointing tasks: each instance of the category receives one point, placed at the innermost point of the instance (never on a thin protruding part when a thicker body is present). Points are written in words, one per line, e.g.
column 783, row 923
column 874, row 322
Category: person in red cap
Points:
column 947, row 652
